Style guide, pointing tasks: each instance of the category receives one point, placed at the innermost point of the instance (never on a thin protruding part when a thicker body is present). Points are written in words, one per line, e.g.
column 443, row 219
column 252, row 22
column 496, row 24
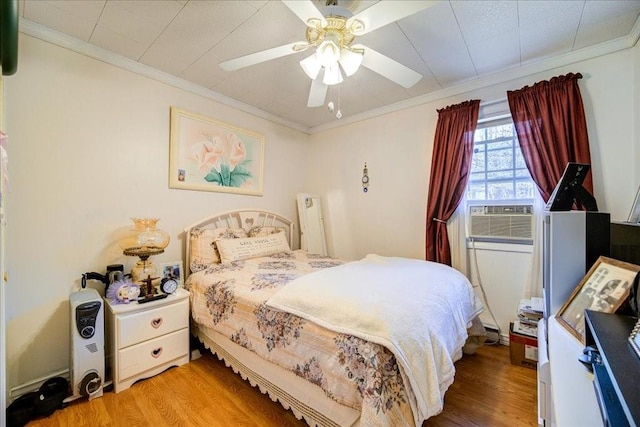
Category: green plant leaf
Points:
column 225, row 174
column 213, row 176
column 239, row 175
column 227, row 178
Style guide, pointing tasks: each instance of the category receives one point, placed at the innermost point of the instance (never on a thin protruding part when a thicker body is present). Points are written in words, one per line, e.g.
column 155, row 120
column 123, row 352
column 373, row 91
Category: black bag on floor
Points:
column 21, row 410
column 50, row 396
column 41, row 403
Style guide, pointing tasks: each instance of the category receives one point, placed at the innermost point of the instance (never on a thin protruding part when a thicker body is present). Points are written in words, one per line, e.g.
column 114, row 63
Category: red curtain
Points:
column 552, row 130
column 450, row 166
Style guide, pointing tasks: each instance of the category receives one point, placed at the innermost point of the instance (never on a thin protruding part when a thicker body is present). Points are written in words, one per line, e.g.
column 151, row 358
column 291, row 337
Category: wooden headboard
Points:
column 243, row 218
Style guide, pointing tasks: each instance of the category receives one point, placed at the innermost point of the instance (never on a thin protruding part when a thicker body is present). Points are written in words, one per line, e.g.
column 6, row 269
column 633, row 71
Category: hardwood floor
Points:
column 488, row 391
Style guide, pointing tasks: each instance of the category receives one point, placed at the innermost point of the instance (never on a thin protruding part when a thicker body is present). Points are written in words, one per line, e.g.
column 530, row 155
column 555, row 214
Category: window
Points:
column 498, row 171
column 500, row 191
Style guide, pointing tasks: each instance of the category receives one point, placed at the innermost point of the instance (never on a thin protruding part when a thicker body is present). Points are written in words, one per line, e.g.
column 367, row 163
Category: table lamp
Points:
column 144, row 241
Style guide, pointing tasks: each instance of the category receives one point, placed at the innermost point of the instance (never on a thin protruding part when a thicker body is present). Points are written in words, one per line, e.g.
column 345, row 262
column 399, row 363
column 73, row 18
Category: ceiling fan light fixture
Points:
column 332, row 75
column 350, row 61
column 311, row 66
column 328, row 53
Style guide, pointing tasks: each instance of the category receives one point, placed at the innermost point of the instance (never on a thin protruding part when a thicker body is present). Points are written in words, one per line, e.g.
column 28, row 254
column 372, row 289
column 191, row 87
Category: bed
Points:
column 333, row 341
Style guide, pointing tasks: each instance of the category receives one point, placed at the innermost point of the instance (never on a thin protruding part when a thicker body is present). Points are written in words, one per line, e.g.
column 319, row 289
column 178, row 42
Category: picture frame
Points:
column 209, row 155
column 172, row 270
column 604, row 288
column 634, row 214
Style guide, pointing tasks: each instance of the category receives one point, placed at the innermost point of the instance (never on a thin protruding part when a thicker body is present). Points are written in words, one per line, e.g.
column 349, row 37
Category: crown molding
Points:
column 524, row 70
column 59, row 39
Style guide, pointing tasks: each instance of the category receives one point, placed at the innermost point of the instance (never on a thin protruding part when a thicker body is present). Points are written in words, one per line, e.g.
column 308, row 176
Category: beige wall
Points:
column 89, row 149
column 397, row 147
column 390, row 218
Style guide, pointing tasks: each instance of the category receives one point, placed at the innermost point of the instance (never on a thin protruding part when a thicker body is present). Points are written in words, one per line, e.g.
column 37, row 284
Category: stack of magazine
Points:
column 529, row 313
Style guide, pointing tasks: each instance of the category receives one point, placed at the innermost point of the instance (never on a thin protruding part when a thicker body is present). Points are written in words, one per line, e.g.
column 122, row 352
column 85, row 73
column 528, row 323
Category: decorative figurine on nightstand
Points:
column 148, row 290
column 122, row 292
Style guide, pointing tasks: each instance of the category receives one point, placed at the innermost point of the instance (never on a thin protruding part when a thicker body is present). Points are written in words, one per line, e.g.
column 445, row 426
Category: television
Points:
column 569, row 190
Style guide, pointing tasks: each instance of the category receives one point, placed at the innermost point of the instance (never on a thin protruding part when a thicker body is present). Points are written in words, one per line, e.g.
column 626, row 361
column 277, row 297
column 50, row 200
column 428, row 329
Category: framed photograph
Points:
column 172, row 270
column 604, row 288
column 209, row 155
column 634, row 215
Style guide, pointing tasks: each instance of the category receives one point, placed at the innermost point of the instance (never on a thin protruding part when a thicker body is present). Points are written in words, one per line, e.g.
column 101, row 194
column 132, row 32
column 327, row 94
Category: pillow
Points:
column 203, row 245
column 252, row 247
column 258, row 231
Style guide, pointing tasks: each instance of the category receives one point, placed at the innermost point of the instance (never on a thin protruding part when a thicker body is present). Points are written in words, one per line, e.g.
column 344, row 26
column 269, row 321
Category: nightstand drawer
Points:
column 152, row 353
column 137, row 327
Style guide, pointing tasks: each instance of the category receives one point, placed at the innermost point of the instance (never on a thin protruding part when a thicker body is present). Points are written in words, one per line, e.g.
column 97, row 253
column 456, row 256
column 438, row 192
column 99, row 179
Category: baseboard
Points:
column 495, row 335
column 504, row 339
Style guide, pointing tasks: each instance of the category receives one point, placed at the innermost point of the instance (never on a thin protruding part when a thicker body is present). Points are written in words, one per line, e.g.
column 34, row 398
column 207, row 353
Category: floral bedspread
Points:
column 231, row 299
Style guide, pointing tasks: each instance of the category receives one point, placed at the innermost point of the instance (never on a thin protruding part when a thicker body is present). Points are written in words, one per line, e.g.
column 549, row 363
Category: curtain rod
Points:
column 495, row 101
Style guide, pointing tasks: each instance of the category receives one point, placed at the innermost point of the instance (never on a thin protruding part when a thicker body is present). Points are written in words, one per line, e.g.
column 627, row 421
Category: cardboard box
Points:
column 523, row 349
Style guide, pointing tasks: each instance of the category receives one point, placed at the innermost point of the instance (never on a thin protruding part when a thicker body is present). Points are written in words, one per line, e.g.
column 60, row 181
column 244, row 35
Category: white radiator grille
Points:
column 512, row 222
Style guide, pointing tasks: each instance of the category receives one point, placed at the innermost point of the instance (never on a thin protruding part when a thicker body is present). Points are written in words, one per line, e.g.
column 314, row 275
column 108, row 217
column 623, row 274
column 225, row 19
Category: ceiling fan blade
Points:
column 387, row 67
column 305, row 10
column 386, row 12
column 317, row 93
column 262, row 56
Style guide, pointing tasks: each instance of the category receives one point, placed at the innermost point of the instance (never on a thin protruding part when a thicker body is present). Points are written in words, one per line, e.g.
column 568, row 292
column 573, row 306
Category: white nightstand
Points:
column 146, row 339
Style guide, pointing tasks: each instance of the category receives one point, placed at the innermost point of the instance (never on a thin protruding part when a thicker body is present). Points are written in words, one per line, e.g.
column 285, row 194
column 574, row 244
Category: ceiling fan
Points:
column 332, row 34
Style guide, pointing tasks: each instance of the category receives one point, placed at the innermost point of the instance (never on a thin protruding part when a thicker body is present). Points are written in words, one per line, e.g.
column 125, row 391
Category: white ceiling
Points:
column 452, row 44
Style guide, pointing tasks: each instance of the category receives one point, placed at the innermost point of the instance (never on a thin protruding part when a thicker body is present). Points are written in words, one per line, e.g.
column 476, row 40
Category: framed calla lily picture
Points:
column 209, row 155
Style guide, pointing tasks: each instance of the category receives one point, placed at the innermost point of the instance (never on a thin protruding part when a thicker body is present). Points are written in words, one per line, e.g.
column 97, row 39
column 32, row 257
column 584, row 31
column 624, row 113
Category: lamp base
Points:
column 142, row 270
column 144, row 273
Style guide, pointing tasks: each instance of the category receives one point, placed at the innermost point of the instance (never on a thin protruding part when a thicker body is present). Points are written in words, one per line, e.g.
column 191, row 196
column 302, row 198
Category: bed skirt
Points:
column 303, row 398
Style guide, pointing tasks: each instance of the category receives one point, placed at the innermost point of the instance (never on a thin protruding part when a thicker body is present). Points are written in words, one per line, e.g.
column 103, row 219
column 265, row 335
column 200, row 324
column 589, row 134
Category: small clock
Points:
column 168, row 285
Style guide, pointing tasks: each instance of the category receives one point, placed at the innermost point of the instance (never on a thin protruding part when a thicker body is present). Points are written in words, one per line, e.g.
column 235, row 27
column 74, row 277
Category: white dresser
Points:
column 570, row 385
column 146, row 339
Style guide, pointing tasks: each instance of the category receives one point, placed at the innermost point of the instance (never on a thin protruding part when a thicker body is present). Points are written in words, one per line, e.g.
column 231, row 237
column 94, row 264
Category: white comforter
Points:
column 420, row 310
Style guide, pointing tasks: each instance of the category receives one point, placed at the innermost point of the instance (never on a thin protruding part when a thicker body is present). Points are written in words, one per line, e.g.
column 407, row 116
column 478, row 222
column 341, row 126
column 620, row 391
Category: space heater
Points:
column 87, row 344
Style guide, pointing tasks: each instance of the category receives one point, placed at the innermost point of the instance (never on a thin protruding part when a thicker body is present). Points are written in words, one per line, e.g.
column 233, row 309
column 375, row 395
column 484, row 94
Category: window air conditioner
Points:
column 500, row 222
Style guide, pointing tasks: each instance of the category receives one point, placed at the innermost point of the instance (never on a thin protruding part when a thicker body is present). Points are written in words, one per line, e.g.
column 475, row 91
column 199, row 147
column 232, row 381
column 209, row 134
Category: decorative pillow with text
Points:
column 252, row 247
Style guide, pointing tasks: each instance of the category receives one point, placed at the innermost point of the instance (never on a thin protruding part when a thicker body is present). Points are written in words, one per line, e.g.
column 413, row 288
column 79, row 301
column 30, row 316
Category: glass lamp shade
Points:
column 328, row 53
column 145, row 234
column 350, row 61
column 311, row 66
column 332, row 75
column 143, row 241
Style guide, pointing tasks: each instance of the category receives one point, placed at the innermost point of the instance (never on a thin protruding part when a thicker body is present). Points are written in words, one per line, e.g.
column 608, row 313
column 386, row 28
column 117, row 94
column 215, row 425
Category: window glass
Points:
column 498, row 170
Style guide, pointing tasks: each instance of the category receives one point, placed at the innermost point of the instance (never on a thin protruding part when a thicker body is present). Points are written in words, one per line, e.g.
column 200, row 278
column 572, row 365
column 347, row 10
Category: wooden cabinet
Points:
column 146, row 339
